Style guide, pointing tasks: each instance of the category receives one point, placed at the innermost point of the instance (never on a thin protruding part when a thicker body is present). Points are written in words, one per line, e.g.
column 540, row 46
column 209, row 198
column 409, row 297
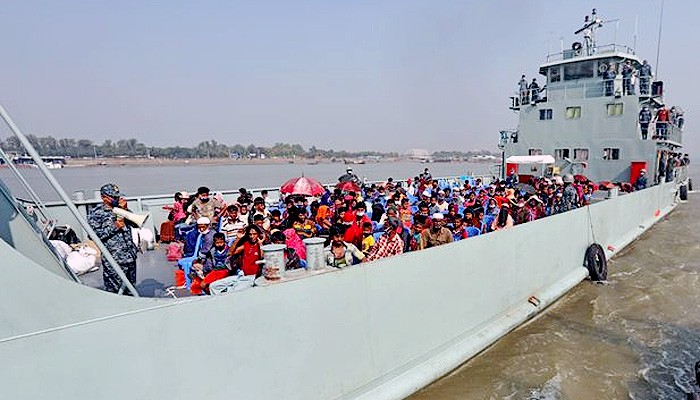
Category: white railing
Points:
column 605, row 49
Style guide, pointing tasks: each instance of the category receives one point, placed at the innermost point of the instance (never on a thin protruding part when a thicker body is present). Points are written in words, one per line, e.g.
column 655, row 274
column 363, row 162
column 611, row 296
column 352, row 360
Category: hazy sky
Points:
column 386, row 75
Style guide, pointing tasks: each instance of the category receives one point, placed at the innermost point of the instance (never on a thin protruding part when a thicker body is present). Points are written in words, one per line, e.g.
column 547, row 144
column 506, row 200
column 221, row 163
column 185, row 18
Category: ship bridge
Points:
column 599, row 111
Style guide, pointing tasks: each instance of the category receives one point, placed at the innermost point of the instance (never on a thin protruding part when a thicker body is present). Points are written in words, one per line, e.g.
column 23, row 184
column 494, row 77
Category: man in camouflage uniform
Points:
column 115, row 235
column 569, row 199
column 206, row 206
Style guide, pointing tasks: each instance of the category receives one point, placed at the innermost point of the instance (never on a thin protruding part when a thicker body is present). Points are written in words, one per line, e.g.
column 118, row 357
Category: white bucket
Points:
column 314, row 253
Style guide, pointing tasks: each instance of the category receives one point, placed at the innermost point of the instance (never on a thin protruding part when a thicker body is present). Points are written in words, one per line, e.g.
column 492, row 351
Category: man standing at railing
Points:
column 534, row 91
column 522, row 87
column 644, row 78
column 115, row 235
column 661, row 122
column 644, row 120
column 627, row 73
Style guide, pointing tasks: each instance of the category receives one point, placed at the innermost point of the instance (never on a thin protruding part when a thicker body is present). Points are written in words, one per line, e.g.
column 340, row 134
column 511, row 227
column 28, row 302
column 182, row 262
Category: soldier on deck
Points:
column 644, row 78
column 534, row 91
column 569, row 200
column 116, row 236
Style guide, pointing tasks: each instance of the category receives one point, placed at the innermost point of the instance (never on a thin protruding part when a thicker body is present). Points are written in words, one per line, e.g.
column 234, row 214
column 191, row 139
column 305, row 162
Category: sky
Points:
column 352, row 75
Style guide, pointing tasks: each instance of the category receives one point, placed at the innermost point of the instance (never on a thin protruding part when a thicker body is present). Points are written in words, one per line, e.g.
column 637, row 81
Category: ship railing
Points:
column 666, row 131
column 70, row 206
column 520, row 99
column 605, row 49
column 153, row 204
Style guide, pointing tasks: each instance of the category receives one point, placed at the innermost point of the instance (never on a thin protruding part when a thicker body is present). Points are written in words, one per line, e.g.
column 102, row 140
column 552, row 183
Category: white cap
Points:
column 426, row 193
column 438, row 216
column 203, row 221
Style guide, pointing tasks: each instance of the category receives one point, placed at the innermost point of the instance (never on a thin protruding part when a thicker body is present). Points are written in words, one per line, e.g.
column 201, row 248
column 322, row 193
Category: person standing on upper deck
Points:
column 609, row 80
column 522, row 88
column 644, row 121
column 534, row 91
column 116, row 236
column 627, row 74
column 644, row 78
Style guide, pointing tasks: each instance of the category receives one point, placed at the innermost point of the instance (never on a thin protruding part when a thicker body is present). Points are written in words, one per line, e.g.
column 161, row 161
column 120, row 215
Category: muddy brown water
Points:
column 635, row 337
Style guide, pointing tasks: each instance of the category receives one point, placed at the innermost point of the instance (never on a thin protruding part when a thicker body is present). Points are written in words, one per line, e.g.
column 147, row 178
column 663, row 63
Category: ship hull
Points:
column 380, row 330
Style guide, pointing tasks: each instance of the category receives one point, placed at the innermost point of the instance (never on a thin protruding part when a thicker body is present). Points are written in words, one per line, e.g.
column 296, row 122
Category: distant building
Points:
column 418, row 154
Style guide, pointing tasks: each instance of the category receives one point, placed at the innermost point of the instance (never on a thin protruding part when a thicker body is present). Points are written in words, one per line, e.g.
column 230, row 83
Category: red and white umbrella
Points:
column 303, row 186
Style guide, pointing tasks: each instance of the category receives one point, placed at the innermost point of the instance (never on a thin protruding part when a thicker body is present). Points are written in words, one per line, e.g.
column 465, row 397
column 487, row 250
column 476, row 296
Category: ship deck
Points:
column 154, row 275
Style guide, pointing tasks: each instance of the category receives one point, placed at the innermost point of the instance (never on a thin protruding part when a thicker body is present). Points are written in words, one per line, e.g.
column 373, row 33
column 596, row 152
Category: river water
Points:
column 144, row 180
column 635, row 337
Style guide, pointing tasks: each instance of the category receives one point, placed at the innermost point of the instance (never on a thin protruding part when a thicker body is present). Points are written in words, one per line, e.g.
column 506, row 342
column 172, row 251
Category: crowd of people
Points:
column 374, row 221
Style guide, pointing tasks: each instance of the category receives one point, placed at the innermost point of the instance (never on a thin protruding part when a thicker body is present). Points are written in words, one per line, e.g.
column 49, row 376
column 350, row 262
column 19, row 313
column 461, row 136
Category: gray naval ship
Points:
column 381, row 330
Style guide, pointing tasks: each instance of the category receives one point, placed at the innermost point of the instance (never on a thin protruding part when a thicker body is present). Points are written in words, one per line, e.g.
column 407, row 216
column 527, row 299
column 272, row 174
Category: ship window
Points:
column 534, row 152
column 573, row 112
column 561, row 154
column 615, row 109
column 580, row 154
column 554, row 74
column 579, row 70
column 545, row 114
column 610, row 153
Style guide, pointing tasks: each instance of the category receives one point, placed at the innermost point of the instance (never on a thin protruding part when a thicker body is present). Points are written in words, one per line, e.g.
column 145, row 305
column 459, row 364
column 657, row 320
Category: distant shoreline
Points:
column 158, row 162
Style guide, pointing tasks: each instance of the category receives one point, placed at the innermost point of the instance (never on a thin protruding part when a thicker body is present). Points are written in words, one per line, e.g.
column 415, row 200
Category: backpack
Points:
column 174, row 251
column 167, row 232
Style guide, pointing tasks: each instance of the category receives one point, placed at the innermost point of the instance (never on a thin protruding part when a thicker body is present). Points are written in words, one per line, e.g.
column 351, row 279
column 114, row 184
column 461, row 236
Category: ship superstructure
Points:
column 585, row 113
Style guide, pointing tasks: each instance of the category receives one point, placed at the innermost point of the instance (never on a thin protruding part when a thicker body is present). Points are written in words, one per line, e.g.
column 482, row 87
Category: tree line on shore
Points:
column 51, row 146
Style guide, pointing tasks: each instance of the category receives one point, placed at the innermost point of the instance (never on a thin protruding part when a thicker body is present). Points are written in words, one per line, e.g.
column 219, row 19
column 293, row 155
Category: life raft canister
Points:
column 596, row 263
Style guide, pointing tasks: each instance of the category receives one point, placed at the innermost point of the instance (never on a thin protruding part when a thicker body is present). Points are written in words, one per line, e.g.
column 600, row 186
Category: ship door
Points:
column 635, row 168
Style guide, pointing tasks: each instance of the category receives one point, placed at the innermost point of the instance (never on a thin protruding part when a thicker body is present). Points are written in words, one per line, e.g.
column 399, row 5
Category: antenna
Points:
column 658, row 42
column 636, row 29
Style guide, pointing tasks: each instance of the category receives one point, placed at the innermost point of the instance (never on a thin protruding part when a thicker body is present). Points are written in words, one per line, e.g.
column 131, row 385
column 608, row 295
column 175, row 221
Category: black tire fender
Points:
column 596, row 263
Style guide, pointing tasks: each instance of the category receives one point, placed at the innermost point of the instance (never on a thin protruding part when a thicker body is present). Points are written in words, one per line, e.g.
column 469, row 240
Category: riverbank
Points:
column 165, row 162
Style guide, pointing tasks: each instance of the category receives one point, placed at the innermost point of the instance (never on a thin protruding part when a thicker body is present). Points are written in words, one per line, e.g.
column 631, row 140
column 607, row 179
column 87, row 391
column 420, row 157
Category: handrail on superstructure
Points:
column 66, row 199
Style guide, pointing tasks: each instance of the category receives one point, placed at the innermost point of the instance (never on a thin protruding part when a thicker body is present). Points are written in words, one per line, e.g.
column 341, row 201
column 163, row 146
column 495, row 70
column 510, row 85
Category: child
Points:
column 291, row 258
column 367, row 238
column 214, row 265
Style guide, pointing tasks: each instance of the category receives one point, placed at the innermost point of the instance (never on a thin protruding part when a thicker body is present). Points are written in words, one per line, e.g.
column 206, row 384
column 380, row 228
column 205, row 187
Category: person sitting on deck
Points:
column 231, row 226
column 291, row 258
column 206, row 206
column 389, row 244
column 214, row 265
column 367, row 238
column 259, row 208
column 340, row 253
column 248, row 249
column 503, row 220
column 304, row 227
column 437, row 234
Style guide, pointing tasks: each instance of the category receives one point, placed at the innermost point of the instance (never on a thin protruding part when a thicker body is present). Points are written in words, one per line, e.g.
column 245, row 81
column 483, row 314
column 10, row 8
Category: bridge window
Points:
column 579, row 70
column 615, row 109
column 580, row 154
column 534, row 152
column 610, row 153
column 561, row 154
column 573, row 112
column 554, row 74
column 545, row 114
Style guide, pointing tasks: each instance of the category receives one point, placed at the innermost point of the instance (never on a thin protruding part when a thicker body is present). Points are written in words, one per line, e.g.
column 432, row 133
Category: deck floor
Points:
column 154, row 274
